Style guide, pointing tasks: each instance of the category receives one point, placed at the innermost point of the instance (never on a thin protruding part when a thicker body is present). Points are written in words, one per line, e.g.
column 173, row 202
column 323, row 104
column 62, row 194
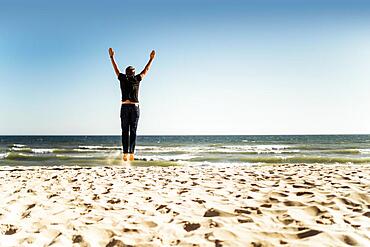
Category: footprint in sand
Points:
column 245, row 220
column 51, row 196
column 279, row 194
column 199, row 201
column 349, row 202
column 77, row 238
column 325, row 219
column 190, row 226
column 25, row 214
column 308, row 233
column 211, row 213
column 163, row 209
column 126, row 230
column 150, row 224
column 8, row 229
column 286, row 219
column 303, row 193
column 30, row 206
column 95, row 197
column 115, row 243
column 212, row 224
column 114, row 201
column 348, row 240
column 248, row 210
column 293, row 203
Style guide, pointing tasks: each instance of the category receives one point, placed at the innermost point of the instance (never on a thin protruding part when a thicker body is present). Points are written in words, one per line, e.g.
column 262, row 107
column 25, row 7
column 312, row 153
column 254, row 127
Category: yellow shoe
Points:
column 132, row 157
column 125, row 157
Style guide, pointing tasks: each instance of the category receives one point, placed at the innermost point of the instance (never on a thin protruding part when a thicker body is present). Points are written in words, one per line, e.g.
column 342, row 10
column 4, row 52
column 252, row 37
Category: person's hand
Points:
column 111, row 52
column 152, row 54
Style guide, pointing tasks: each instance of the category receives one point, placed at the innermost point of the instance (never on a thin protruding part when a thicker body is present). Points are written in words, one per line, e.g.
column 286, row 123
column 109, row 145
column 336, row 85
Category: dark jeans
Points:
column 129, row 119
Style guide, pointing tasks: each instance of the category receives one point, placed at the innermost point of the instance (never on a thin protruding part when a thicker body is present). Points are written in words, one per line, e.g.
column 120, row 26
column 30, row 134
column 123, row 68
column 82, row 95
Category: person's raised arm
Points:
column 147, row 67
column 111, row 55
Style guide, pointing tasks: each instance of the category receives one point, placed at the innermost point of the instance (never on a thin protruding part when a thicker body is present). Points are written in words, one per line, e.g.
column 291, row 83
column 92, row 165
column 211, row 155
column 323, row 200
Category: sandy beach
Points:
column 291, row 205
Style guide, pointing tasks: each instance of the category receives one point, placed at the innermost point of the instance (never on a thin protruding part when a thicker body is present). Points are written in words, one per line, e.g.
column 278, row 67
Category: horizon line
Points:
column 326, row 134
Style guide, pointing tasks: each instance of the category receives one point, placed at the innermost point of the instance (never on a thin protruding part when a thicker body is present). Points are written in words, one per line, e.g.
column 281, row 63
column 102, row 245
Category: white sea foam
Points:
column 84, row 150
column 147, row 147
column 3, row 155
column 90, row 147
column 74, row 156
column 167, row 157
column 18, row 145
column 42, row 150
column 223, row 149
column 162, row 149
column 99, row 147
column 364, row 151
column 255, row 148
column 208, row 163
column 15, row 148
column 25, row 155
column 218, row 164
column 33, row 150
column 158, row 149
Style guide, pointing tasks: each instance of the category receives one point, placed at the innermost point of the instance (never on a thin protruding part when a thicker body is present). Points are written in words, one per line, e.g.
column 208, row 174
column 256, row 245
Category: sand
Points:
column 290, row 205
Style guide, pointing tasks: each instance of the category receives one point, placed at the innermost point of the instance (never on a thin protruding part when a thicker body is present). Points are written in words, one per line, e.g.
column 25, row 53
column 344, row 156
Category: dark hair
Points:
column 130, row 70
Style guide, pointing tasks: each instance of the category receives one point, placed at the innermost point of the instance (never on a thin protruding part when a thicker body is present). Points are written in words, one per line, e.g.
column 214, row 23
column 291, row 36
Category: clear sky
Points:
column 222, row 67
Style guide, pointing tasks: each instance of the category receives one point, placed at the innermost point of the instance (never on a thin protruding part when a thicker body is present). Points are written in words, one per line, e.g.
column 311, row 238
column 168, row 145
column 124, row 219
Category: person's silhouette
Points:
column 130, row 111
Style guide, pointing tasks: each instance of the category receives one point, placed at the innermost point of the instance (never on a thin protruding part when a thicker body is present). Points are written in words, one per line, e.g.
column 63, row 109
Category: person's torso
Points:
column 130, row 87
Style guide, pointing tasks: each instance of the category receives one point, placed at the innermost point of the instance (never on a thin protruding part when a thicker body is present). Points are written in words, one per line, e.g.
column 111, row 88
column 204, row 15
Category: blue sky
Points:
column 222, row 67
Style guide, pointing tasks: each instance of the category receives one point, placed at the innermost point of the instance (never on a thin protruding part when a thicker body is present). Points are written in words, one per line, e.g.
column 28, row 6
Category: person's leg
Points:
column 134, row 119
column 125, row 129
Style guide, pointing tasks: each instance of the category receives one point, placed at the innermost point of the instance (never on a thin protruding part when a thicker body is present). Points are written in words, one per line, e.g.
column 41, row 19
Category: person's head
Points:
column 130, row 71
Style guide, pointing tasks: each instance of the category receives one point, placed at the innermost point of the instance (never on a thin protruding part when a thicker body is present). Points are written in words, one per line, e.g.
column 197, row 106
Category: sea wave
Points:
column 21, row 149
column 42, row 150
column 342, row 151
column 18, row 145
column 321, row 147
column 167, row 157
column 282, row 159
column 38, row 157
column 31, row 150
column 86, row 149
column 242, row 152
column 224, row 149
column 170, row 150
column 258, row 149
column 100, row 147
column 76, row 150
column 365, row 151
column 24, row 156
column 305, row 159
column 78, row 157
column 3, row 155
column 146, row 147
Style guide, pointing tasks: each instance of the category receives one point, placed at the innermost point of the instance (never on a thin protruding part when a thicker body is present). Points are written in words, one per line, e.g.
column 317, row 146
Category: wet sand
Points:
column 291, row 205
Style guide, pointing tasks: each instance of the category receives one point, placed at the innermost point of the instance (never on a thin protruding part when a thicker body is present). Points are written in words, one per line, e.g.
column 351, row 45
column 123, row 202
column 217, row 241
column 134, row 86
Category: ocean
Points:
column 185, row 150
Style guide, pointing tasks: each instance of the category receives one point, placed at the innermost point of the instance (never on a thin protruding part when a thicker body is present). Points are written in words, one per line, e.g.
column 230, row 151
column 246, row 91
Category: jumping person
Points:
column 130, row 110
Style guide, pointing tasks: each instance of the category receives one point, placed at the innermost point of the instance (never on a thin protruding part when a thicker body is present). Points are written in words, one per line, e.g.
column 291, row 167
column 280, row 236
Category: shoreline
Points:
column 289, row 204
